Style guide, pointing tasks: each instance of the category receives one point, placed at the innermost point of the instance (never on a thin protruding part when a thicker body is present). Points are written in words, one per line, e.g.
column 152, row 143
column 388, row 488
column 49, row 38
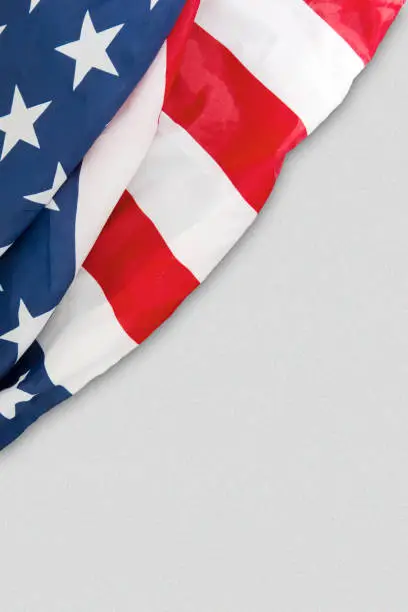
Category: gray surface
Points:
column 253, row 455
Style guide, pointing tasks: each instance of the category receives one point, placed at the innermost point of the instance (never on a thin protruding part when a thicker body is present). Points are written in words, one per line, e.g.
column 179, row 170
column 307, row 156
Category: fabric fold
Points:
column 183, row 170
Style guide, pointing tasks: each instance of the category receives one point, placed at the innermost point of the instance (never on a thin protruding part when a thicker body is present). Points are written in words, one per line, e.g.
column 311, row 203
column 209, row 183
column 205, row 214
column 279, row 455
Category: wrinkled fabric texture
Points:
column 363, row 24
column 200, row 111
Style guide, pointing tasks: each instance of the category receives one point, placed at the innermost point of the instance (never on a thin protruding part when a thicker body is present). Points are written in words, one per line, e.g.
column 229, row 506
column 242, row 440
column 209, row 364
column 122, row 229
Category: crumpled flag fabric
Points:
column 185, row 165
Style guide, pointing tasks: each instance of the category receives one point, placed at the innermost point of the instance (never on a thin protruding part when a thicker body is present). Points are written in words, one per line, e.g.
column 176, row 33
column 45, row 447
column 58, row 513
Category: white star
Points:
column 89, row 51
column 153, row 4
column 2, row 28
column 4, row 249
column 12, row 396
column 19, row 124
column 27, row 330
column 33, row 4
column 47, row 197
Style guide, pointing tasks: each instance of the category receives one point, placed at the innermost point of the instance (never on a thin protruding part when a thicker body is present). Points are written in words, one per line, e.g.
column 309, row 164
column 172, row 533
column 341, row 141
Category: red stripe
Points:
column 362, row 23
column 235, row 118
column 176, row 42
column 141, row 278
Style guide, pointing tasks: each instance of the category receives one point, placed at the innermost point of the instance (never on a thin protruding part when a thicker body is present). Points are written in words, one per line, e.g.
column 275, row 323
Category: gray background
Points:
column 253, row 454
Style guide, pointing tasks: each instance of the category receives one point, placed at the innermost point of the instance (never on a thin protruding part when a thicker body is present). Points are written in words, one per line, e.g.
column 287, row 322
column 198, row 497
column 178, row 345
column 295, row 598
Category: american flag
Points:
column 138, row 141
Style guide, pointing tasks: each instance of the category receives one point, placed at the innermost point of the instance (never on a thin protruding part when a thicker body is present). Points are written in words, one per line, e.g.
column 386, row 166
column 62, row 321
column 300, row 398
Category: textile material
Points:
column 106, row 230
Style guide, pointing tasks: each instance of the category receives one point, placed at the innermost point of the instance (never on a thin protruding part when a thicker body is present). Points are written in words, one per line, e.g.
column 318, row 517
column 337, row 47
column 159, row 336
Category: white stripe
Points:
column 288, row 47
column 116, row 155
column 83, row 339
column 190, row 200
